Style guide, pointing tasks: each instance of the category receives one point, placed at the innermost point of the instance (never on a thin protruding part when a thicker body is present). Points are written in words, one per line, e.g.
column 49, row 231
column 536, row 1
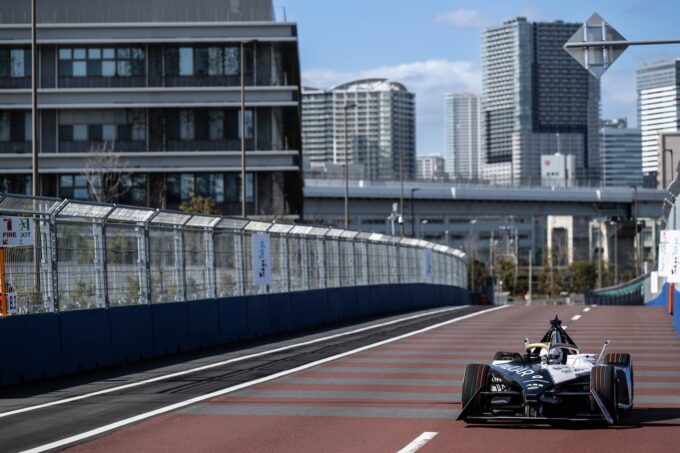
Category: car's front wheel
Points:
column 477, row 377
column 603, row 382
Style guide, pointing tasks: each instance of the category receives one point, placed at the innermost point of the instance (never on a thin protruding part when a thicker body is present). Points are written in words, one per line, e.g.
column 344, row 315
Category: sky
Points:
column 434, row 46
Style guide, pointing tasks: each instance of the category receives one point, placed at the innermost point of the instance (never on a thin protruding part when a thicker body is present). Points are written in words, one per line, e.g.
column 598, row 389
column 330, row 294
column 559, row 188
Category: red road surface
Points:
column 383, row 398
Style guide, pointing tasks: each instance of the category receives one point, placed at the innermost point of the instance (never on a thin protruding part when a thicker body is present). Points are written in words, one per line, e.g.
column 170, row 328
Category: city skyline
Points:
column 446, row 56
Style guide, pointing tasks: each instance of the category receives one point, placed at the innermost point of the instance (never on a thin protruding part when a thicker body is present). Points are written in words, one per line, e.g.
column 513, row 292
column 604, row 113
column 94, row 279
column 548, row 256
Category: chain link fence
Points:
column 88, row 255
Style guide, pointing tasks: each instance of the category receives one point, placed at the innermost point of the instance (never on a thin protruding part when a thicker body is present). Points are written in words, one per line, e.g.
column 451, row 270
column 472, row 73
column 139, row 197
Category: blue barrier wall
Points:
column 661, row 300
column 39, row 346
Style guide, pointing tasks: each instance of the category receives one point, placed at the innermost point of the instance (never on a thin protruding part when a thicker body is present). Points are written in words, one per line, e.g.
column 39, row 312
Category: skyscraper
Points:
column 463, row 157
column 621, row 154
column 430, row 168
column 536, row 100
column 380, row 127
column 658, row 86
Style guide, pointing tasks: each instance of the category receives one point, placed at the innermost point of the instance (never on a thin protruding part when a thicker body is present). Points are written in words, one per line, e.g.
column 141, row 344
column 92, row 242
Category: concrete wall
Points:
column 39, row 346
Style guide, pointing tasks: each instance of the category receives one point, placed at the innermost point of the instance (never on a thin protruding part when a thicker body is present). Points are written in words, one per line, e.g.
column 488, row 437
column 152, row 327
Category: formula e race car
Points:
column 552, row 382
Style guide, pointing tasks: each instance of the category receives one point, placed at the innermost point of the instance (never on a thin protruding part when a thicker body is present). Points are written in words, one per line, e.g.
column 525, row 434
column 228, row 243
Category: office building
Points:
column 463, row 157
column 620, row 154
column 372, row 120
column 430, row 168
column 536, row 99
column 157, row 84
column 557, row 170
column 658, row 87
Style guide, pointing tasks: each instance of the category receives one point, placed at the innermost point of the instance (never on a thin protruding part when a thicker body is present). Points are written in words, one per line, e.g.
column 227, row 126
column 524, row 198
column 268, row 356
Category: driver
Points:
column 555, row 356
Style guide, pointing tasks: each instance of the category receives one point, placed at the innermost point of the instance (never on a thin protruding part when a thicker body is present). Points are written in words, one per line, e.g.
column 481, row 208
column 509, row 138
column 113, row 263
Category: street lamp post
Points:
column 36, row 189
column 422, row 228
column 347, row 106
column 472, row 254
column 615, row 224
column 243, row 128
column 413, row 217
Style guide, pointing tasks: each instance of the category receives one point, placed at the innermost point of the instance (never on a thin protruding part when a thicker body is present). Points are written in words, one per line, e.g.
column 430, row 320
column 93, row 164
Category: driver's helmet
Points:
column 555, row 356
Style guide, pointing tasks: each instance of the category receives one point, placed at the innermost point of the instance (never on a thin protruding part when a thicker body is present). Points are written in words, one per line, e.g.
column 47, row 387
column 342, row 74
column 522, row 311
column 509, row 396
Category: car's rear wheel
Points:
column 502, row 355
column 477, row 377
column 603, row 382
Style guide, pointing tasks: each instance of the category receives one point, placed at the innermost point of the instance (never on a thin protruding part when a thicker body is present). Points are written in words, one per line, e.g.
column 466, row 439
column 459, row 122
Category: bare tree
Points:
column 106, row 174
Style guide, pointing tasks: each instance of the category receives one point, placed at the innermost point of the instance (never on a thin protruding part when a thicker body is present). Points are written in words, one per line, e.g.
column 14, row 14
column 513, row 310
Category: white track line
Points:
column 198, row 399
column 417, row 443
column 587, row 309
column 218, row 364
column 576, row 317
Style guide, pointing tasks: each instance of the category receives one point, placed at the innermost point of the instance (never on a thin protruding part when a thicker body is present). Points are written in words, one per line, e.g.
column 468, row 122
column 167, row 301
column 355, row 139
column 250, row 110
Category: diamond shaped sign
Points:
column 589, row 45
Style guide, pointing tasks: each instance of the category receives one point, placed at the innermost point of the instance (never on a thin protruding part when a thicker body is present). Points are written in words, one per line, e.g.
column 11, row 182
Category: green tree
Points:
column 478, row 270
column 505, row 271
column 199, row 205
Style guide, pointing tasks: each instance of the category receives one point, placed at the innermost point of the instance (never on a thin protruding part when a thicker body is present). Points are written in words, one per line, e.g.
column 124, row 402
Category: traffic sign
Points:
column 596, row 45
column 16, row 231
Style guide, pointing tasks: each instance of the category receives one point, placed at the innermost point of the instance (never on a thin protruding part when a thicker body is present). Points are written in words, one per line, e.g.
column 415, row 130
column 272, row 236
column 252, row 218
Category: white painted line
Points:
column 587, row 309
column 418, row 442
column 198, row 399
column 218, row 364
column 576, row 317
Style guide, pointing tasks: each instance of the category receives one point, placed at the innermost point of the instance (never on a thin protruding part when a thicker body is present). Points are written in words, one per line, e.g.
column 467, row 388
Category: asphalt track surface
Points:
column 378, row 400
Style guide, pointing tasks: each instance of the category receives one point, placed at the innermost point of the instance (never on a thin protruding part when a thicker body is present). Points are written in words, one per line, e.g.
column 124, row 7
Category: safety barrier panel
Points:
column 53, row 344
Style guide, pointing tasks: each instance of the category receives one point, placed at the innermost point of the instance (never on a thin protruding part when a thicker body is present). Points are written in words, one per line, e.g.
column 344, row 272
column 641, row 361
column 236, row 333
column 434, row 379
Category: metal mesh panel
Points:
column 279, row 255
column 296, row 263
column 20, row 277
column 76, row 273
column 347, row 269
column 195, row 255
column 228, row 265
column 123, row 273
column 315, row 262
column 166, row 266
column 25, row 205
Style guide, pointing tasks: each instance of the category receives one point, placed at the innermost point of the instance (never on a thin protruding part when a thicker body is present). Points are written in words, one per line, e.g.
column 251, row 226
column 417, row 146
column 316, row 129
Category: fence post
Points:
column 321, row 261
column 241, row 269
column 209, row 241
column 304, row 261
column 101, row 287
column 46, row 280
column 284, row 260
column 180, row 274
column 143, row 263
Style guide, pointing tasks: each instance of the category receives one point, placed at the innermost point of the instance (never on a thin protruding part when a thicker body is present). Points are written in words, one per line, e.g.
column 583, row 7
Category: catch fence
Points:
column 88, row 255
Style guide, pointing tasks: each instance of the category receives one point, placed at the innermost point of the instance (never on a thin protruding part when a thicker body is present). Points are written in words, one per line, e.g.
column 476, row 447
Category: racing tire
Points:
column 477, row 377
column 622, row 360
column 502, row 355
column 603, row 382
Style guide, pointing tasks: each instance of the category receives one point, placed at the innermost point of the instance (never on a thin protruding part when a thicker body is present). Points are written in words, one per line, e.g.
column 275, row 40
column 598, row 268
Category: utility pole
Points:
column 347, row 107
column 531, row 274
column 243, row 132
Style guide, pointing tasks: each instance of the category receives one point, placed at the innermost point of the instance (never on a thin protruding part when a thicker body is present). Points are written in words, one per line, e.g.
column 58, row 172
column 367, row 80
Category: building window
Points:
column 186, row 61
column 74, row 187
column 19, row 184
column 102, row 125
column 101, row 62
column 186, row 125
column 15, row 126
column 15, row 63
column 216, row 125
column 213, row 61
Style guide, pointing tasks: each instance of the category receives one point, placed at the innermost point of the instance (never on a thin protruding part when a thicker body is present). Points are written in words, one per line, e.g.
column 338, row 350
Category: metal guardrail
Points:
column 89, row 255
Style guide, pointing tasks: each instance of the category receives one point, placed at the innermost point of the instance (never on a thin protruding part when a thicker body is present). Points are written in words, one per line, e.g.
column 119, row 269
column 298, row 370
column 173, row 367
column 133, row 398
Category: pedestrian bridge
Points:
column 95, row 285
